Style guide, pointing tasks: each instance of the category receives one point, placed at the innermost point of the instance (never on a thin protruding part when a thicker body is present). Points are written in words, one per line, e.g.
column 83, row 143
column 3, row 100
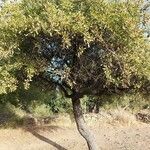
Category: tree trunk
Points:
column 81, row 125
column 97, row 105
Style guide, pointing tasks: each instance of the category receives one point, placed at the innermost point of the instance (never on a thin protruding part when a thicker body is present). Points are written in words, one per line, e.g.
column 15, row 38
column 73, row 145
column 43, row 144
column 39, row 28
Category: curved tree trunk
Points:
column 81, row 125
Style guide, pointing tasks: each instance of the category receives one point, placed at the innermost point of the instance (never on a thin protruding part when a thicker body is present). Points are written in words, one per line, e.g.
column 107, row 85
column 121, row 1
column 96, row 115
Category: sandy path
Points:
column 110, row 137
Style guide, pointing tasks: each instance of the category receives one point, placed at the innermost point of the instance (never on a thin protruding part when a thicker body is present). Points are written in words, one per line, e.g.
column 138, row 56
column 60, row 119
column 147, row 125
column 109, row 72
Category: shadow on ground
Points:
column 34, row 131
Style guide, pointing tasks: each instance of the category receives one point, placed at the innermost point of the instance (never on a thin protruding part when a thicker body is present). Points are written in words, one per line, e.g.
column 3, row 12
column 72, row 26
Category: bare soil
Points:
column 109, row 137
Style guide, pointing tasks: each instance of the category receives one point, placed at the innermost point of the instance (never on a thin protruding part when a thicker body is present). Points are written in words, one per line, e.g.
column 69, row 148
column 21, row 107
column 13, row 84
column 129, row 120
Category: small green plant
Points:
column 40, row 110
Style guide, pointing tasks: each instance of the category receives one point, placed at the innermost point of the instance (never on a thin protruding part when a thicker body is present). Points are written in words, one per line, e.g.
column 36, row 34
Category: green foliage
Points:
column 102, row 40
column 128, row 101
column 59, row 104
column 10, row 116
column 41, row 110
column 34, row 99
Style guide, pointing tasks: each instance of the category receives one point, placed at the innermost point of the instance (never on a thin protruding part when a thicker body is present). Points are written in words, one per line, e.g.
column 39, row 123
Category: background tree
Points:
column 81, row 47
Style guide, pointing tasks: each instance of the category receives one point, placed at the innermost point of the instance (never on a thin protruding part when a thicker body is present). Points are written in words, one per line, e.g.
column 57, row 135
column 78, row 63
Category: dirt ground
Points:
column 109, row 137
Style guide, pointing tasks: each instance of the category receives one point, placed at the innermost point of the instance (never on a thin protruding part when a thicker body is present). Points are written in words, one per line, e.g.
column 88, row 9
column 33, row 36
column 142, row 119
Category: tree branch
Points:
column 65, row 91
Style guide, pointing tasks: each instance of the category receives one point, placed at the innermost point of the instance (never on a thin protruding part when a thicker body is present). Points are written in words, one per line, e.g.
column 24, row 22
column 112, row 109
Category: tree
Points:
column 81, row 47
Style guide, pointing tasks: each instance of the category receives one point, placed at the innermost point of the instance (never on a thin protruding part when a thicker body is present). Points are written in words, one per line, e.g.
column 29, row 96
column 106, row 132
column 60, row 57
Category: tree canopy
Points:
column 88, row 46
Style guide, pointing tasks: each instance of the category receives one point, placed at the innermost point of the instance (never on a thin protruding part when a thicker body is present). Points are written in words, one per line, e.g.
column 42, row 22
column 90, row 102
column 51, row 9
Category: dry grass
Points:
column 122, row 117
column 113, row 117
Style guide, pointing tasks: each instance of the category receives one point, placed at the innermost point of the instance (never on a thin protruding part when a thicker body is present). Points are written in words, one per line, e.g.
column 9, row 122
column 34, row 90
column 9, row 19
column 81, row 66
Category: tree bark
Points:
column 81, row 125
column 98, row 103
